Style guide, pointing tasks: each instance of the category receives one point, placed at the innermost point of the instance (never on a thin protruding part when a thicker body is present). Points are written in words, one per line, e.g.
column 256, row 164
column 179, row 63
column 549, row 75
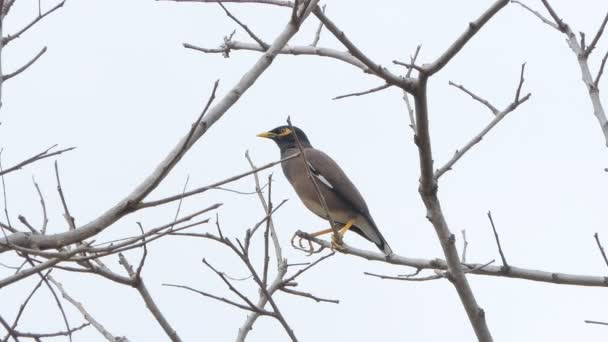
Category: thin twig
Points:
column 45, row 219
column 369, row 91
column 100, row 328
column 560, row 24
column 66, row 212
column 263, row 44
column 595, row 322
column 465, row 244
column 202, row 189
column 221, row 299
column 596, row 82
column 599, row 245
column 318, row 32
column 275, row 239
column 10, row 37
column 8, row 218
column 597, row 36
column 475, row 97
column 537, row 14
column 309, row 295
column 502, row 255
column 42, row 155
column 26, row 65
column 521, row 82
column 179, row 204
column 229, row 284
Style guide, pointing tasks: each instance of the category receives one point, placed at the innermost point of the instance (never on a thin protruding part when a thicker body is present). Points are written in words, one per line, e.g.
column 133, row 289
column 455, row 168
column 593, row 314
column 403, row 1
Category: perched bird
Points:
column 344, row 202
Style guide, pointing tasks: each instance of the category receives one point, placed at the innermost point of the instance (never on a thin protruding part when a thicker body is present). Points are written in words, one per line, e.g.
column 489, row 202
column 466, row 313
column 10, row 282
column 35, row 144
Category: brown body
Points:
column 343, row 199
column 345, row 204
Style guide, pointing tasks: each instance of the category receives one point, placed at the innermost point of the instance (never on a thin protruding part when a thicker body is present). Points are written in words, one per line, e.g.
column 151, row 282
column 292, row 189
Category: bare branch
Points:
column 537, row 14
column 66, row 212
column 382, row 276
column 299, row 273
column 22, row 308
column 560, row 24
column 100, row 328
column 410, row 110
column 139, row 284
column 25, row 66
column 495, row 271
column 45, row 219
column 229, row 284
column 42, row 155
column 410, row 66
column 263, row 44
column 40, row 267
column 406, row 84
column 10, row 37
column 211, row 186
column 287, row 50
column 521, row 83
column 369, row 91
column 582, row 59
column 599, row 245
column 497, row 118
column 308, row 295
column 221, row 299
column 465, row 244
column 596, row 81
column 39, row 336
column 475, row 97
column 464, row 38
column 273, row 233
column 596, row 322
column 44, row 279
column 318, row 32
column 505, row 264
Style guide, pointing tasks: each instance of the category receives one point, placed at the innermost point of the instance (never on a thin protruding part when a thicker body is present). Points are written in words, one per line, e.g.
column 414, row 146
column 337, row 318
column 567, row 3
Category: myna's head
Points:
column 284, row 137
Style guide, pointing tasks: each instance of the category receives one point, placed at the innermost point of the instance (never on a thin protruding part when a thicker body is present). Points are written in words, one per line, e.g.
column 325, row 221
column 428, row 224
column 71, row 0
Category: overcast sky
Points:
column 117, row 84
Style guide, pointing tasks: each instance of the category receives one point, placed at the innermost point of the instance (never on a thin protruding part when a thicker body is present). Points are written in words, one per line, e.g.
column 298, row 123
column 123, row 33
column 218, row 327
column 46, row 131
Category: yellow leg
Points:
column 322, row 232
column 346, row 227
column 334, row 241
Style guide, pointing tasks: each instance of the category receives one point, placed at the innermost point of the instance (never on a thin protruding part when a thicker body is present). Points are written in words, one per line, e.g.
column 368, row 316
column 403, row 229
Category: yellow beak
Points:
column 266, row 135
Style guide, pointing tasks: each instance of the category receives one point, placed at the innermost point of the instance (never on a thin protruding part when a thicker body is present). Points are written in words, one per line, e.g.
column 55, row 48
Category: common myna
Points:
column 344, row 202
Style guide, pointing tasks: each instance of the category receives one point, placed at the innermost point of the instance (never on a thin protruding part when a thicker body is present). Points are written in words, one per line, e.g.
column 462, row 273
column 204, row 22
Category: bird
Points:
column 344, row 202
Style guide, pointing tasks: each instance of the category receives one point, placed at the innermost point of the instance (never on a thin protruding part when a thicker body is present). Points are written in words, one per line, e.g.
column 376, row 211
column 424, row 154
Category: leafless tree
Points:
column 75, row 249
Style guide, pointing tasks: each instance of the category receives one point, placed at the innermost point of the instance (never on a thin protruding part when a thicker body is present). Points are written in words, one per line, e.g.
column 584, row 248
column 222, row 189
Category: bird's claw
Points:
column 336, row 245
column 310, row 250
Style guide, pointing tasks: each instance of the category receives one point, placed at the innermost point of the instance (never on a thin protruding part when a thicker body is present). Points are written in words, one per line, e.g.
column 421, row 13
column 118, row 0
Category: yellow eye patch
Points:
column 284, row 132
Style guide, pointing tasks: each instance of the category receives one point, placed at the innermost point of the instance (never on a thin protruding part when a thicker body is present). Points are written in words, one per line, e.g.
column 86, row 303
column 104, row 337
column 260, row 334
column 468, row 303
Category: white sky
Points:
column 117, row 84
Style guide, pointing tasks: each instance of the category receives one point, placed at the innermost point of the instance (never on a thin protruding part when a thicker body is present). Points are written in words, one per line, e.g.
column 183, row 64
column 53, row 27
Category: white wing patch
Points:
column 319, row 176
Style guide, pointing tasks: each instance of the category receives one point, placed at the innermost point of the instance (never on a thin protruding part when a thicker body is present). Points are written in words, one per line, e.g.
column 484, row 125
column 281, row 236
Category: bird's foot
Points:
column 309, row 248
column 337, row 245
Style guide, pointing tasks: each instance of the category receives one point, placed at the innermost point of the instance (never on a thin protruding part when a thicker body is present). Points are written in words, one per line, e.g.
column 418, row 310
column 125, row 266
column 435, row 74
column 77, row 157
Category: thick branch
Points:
column 464, row 38
column 490, row 270
column 286, row 50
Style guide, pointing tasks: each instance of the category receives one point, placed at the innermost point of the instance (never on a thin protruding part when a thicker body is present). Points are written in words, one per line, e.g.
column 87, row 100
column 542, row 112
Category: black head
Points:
column 284, row 137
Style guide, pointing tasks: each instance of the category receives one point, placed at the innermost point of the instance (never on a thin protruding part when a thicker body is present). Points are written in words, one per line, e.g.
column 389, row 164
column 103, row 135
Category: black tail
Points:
column 378, row 240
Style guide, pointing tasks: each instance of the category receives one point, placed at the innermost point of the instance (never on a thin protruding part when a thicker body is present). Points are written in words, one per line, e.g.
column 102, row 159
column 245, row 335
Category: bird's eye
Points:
column 285, row 132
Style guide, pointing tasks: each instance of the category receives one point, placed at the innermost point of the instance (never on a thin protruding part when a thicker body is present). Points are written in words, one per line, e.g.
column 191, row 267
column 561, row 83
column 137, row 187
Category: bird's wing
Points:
column 327, row 172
